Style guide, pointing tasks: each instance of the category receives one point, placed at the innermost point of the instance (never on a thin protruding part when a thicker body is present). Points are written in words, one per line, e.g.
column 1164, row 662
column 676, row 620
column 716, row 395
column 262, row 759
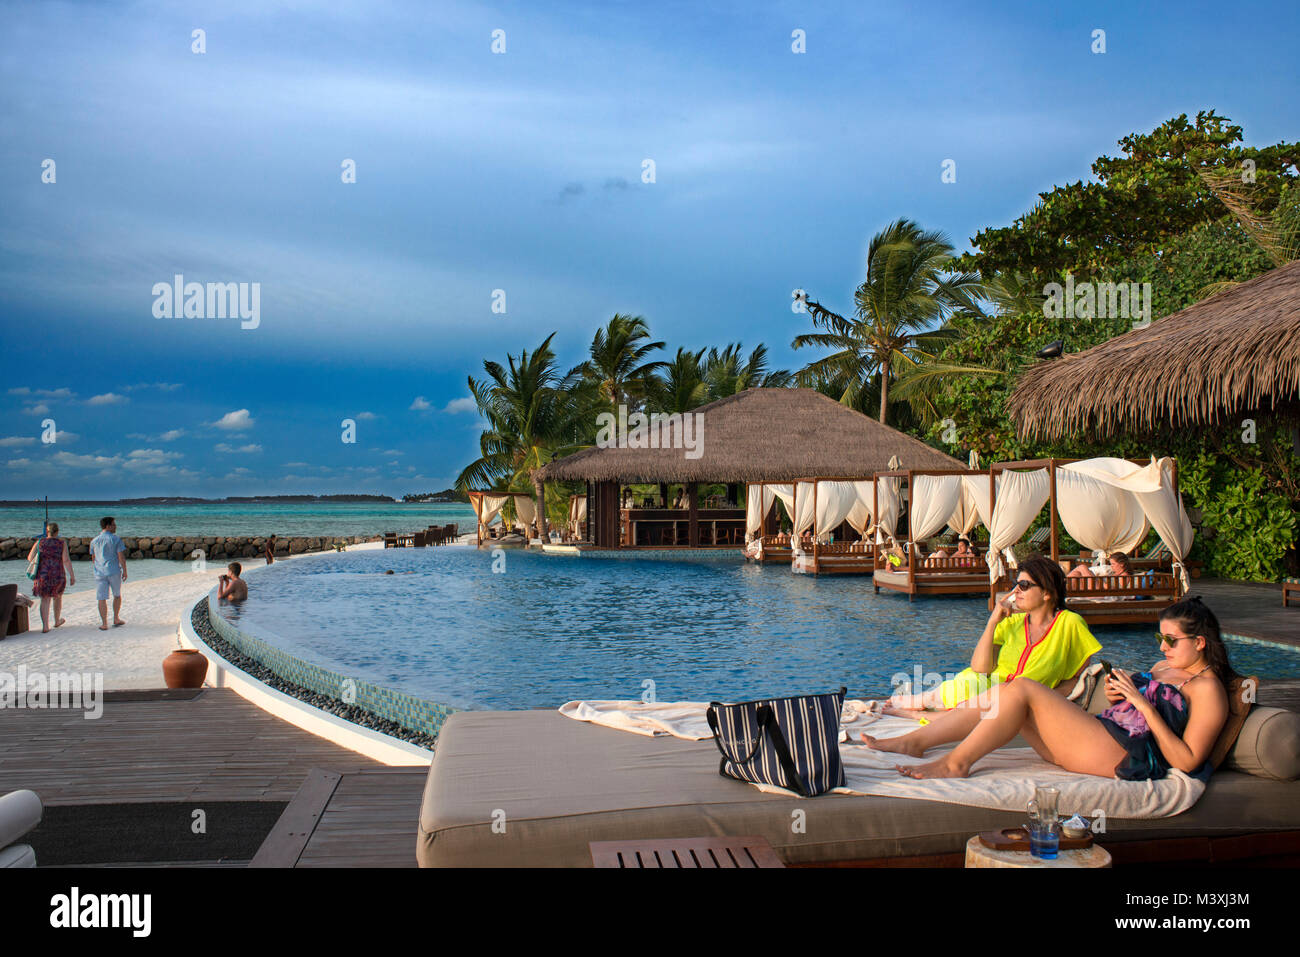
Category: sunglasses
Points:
column 1024, row 584
column 1171, row 640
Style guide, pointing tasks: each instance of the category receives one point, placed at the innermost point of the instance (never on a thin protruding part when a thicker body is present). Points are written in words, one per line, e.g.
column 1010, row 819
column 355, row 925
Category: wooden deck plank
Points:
column 370, row 821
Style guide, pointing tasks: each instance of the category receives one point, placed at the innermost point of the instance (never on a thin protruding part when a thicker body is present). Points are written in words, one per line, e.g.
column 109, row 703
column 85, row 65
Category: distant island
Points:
column 446, row 495
column 184, row 500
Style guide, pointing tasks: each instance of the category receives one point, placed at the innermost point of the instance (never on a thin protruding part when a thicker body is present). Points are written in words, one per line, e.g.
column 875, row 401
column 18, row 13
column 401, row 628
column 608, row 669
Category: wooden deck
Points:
column 214, row 746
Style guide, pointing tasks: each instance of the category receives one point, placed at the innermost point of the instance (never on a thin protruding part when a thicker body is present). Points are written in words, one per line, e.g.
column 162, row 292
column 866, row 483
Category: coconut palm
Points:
column 902, row 308
column 680, row 385
column 618, row 360
column 533, row 415
column 726, row 372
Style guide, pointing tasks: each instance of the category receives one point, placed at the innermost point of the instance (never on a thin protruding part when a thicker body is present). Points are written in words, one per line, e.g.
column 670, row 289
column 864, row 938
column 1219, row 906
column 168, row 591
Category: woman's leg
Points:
column 1058, row 729
column 1081, row 571
column 45, row 613
column 945, row 728
column 58, row 609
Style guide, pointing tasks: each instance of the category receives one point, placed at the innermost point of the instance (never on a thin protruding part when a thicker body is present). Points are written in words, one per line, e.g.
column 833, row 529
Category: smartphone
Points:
column 1107, row 667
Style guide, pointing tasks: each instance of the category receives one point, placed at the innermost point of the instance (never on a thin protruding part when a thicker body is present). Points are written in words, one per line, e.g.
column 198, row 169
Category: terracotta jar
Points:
column 185, row 668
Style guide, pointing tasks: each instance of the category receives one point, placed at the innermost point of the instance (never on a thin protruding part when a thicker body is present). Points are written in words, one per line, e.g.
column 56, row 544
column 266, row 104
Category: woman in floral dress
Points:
column 53, row 575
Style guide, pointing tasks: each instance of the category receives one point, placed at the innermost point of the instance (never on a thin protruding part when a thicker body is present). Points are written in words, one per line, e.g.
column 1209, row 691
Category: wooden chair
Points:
column 1290, row 587
column 419, row 539
column 390, row 540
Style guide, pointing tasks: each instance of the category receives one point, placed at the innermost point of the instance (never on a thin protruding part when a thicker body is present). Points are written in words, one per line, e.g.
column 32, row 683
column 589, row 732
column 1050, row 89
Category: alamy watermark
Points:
column 1101, row 300
column 57, row 689
column 179, row 299
column 657, row 430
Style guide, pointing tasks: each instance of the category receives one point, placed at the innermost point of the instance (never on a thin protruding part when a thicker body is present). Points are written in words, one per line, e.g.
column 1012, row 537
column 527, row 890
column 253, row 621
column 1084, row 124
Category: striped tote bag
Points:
column 792, row 743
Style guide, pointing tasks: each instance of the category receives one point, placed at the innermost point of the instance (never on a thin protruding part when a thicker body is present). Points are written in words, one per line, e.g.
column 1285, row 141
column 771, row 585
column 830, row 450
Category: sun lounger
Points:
column 20, row 812
column 534, row 788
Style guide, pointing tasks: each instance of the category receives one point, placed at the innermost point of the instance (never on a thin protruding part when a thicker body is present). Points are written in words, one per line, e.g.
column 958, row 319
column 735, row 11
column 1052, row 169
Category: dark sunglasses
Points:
column 1171, row 640
column 1024, row 584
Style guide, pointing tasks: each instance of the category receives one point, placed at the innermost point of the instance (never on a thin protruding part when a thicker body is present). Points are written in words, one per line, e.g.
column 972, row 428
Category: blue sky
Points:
column 519, row 171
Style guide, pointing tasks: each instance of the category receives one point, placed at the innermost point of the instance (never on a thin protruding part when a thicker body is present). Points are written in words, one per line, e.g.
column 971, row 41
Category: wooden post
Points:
column 1051, row 474
column 993, row 585
column 814, row 526
column 663, row 494
column 911, row 541
column 693, row 504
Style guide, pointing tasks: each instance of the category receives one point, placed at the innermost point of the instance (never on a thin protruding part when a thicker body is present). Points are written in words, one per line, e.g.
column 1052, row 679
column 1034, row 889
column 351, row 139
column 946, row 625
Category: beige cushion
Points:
column 533, row 788
column 20, row 812
column 1269, row 745
column 1241, row 696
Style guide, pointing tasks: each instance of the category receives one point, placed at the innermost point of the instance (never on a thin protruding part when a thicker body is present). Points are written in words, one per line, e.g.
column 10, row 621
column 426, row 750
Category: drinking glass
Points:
column 1044, row 840
column 1043, row 807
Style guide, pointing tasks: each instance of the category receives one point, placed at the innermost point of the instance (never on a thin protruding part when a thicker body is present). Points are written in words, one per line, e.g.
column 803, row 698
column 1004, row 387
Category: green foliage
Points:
column 1253, row 525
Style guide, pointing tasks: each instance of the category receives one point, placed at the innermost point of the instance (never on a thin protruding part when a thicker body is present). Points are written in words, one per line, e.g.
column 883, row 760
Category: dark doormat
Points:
column 146, row 833
column 152, row 694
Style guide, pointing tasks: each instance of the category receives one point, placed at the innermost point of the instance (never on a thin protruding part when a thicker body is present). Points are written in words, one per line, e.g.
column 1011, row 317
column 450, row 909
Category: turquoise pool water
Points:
column 549, row 629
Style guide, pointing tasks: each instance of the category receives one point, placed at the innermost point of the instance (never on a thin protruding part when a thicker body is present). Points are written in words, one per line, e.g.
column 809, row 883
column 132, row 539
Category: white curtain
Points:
column 889, row 503
column 1020, row 497
column 860, row 514
column 975, row 495
column 967, row 514
column 1097, row 514
column 783, row 492
column 834, row 502
column 525, row 512
column 757, row 505
column 486, row 507
column 934, row 499
column 803, row 508
column 1152, row 486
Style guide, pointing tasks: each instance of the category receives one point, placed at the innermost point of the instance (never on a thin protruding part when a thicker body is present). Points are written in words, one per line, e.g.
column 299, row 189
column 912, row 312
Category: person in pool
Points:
column 1168, row 717
column 1029, row 634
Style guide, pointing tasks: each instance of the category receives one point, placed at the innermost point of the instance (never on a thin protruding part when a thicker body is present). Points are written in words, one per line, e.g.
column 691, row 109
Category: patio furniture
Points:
column 390, row 540
column 13, row 616
column 419, row 539
column 686, row 852
column 977, row 855
column 1290, row 587
column 20, row 812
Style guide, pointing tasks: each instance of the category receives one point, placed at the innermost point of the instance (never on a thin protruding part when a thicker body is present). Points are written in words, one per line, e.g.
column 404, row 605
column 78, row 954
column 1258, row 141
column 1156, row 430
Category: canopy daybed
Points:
column 487, row 505
column 937, row 499
column 1107, row 505
column 821, row 506
column 763, row 541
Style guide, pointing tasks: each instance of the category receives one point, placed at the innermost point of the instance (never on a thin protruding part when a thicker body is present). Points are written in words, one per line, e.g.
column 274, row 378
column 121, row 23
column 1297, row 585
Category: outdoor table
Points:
column 977, row 855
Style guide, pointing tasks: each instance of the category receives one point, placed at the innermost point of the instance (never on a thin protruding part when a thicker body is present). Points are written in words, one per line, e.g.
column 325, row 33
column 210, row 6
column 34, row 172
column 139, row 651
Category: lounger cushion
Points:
column 1269, row 745
column 20, row 812
column 1240, row 699
column 533, row 788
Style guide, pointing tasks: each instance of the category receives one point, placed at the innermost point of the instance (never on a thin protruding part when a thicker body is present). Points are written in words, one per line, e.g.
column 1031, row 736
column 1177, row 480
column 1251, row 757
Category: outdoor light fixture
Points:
column 1052, row 350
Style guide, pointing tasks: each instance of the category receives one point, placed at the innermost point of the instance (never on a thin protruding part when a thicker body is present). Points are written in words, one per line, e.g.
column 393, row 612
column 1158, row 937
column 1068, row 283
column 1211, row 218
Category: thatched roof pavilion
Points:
column 760, row 435
column 1237, row 351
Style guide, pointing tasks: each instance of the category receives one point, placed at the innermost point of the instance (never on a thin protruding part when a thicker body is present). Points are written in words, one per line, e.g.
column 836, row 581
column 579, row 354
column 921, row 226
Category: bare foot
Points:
column 944, row 767
column 61, row 621
column 118, row 624
column 899, row 744
column 45, row 631
column 103, row 627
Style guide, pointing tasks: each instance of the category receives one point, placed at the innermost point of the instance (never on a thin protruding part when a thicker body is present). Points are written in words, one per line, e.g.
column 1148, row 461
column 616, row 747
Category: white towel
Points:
column 1004, row 779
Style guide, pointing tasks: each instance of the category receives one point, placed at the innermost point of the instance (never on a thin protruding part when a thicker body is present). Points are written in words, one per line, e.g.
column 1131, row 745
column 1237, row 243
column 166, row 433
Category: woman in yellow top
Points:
column 1043, row 641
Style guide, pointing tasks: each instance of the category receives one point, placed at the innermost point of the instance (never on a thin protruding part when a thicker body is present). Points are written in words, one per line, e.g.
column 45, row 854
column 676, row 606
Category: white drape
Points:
column 967, row 513
column 803, row 508
column 525, row 512
column 486, row 507
column 860, row 514
column 1152, row 487
column 975, row 493
column 934, row 499
column 784, row 492
column 757, row 505
column 888, row 502
column 1020, row 497
column 834, row 502
column 1097, row 514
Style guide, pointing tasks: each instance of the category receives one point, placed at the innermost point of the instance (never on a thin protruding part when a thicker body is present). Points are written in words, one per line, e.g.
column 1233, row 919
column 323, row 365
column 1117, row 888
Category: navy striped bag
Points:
column 792, row 743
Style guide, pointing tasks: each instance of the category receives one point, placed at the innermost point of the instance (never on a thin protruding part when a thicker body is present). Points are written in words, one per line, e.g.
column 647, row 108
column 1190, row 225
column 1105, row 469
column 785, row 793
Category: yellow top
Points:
column 1058, row 655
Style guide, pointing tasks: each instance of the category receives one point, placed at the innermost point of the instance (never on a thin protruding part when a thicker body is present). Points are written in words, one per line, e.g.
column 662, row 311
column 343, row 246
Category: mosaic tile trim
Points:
column 407, row 710
column 658, row 554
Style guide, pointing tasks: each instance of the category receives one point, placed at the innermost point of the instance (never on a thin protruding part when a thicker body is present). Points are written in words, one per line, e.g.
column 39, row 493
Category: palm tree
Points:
column 533, row 415
column 618, row 363
column 902, row 308
column 680, row 385
column 727, row 373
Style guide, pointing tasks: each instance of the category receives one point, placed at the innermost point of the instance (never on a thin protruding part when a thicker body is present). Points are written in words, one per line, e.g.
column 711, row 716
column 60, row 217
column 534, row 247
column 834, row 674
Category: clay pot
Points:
column 185, row 668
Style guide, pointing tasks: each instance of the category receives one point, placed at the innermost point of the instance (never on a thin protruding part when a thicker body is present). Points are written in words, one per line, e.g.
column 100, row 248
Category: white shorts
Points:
column 102, row 585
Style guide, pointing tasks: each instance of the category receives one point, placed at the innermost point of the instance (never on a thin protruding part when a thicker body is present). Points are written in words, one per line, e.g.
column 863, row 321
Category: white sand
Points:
column 129, row 657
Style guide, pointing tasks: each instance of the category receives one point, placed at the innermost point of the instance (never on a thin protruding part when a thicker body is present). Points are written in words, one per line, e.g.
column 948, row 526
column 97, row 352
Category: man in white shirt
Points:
column 108, row 556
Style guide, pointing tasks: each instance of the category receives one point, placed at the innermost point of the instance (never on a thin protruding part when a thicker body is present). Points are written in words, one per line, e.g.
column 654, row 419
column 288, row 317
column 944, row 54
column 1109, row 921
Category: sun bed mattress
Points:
column 533, row 788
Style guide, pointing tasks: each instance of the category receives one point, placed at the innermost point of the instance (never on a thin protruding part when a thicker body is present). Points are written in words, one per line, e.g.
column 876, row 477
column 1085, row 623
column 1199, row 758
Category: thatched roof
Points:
column 1238, row 350
column 758, row 435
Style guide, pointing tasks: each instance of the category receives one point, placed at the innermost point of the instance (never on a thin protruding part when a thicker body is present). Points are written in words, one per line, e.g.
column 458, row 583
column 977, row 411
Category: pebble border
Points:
column 199, row 620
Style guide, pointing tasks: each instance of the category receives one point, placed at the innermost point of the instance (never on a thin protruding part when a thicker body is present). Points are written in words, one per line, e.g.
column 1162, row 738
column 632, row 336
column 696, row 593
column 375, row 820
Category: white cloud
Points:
column 171, row 435
column 15, row 440
column 249, row 449
column 461, row 405
column 44, row 393
column 74, row 461
column 108, row 398
column 366, row 416
column 420, row 404
column 236, row 421
column 39, row 408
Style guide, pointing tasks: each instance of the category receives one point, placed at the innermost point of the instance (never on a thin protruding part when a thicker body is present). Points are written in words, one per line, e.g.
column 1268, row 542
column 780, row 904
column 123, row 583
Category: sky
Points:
column 521, row 170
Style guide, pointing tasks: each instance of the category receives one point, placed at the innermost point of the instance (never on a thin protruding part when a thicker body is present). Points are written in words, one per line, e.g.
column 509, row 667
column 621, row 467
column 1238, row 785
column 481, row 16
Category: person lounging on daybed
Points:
column 1037, row 637
column 1168, row 717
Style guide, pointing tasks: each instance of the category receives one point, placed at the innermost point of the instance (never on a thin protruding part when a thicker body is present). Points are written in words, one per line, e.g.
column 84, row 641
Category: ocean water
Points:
column 550, row 629
column 309, row 520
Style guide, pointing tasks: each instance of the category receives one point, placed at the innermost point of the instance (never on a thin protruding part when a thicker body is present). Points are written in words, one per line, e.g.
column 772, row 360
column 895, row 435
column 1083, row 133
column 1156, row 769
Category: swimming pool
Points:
column 548, row 629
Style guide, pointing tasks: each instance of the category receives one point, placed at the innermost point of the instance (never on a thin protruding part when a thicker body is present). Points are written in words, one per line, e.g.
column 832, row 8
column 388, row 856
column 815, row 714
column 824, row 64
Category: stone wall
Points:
column 182, row 549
